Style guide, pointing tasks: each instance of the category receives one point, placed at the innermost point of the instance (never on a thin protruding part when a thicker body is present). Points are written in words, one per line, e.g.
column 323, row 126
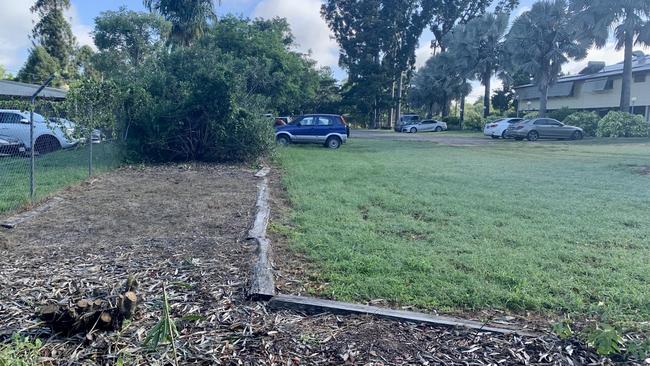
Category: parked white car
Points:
column 428, row 125
column 48, row 136
column 499, row 128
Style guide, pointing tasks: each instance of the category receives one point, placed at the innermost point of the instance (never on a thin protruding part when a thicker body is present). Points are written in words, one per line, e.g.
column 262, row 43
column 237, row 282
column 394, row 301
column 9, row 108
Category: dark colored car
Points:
column 328, row 129
column 544, row 128
column 11, row 146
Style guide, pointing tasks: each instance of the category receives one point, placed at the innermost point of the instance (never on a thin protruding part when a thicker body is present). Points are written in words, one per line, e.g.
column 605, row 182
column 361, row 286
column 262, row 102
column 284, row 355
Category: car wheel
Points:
column 438, row 129
column 414, row 130
column 46, row 144
column 533, row 136
column 577, row 136
column 333, row 142
column 504, row 134
column 282, row 140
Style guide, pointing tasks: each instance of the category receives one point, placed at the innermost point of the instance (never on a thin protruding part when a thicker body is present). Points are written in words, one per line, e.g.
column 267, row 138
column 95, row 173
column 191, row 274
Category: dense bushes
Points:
column 588, row 121
column 560, row 114
column 473, row 121
column 621, row 124
column 453, row 123
column 205, row 102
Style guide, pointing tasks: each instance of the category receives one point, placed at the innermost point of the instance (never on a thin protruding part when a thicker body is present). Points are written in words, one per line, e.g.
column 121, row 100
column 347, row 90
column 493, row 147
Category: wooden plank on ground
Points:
column 262, row 284
column 16, row 220
column 263, row 212
column 263, row 172
column 316, row 306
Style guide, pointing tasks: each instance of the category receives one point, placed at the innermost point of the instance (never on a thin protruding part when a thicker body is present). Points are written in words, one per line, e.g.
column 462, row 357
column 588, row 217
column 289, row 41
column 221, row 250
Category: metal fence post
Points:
column 90, row 153
column 31, row 150
column 90, row 146
column 32, row 169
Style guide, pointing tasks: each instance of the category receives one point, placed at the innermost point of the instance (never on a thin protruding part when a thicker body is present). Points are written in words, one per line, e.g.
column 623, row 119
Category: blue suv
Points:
column 328, row 129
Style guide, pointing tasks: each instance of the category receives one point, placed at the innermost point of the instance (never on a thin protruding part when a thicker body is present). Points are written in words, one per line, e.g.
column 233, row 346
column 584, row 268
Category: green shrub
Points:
column 560, row 114
column 22, row 351
column 531, row 115
column 588, row 121
column 453, row 123
column 622, row 124
column 473, row 121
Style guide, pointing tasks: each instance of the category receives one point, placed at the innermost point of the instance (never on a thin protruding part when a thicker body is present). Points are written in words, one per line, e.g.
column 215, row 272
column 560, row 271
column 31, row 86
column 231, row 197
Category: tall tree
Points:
column 53, row 32
column 449, row 13
column 132, row 35
column 40, row 65
column 631, row 22
column 189, row 18
column 436, row 83
column 378, row 39
column 478, row 47
column 543, row 39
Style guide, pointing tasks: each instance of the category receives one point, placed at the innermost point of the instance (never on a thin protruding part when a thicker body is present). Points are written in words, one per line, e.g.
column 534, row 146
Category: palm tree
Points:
column 478, row 47
column 543, row 39
column 631, row 22
column 189, row 18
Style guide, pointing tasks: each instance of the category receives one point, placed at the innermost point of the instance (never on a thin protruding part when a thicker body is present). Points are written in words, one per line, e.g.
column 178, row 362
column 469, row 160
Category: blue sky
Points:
column 311, row 32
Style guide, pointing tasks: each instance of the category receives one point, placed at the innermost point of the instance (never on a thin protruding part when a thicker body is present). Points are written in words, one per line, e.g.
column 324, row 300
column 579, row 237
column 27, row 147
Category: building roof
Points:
column 564, row 86
column 23, row 90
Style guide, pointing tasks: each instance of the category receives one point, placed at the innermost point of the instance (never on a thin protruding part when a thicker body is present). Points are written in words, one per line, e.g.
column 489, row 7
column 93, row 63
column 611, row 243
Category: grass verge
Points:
column 53, row 172
column 559, row 228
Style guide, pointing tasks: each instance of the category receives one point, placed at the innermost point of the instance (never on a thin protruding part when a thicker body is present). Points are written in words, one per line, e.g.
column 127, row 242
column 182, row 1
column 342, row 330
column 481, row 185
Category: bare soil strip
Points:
column 186, row 227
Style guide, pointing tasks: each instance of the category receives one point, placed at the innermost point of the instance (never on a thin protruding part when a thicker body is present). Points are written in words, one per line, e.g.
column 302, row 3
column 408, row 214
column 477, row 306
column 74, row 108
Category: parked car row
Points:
column 49, row 135
column 532, row 129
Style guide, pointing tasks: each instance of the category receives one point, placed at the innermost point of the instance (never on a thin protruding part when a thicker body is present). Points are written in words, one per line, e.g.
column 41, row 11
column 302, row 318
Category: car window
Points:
column 551, row 122
column 307, row 121
column 427, row 122
column 9, row 118
column 540, row 122
column 513, row 121
column 325, row 121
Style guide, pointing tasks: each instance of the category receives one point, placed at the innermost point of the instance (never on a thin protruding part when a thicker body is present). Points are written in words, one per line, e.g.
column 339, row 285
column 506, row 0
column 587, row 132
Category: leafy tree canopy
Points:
column 133, row 36
column 543, row 39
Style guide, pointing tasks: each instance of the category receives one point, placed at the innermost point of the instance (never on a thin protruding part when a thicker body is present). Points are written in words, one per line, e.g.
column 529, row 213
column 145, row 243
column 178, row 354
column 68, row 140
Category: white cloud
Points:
column 308, row 27
column 81, row 31
column 16, row 24
column 609, row 54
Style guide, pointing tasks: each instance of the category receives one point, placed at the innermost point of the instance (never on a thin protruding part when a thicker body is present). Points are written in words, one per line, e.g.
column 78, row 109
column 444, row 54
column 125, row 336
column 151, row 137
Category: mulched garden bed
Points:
column 184, row 227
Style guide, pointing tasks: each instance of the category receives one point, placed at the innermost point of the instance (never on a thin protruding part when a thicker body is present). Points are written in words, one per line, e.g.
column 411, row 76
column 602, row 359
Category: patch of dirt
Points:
column 185, row 227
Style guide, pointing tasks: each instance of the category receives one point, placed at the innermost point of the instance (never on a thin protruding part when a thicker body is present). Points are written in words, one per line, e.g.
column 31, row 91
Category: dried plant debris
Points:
column 184, row 228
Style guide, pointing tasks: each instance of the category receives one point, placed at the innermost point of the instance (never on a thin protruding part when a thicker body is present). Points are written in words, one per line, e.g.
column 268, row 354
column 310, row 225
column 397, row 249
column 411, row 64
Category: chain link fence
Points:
column 63, row 154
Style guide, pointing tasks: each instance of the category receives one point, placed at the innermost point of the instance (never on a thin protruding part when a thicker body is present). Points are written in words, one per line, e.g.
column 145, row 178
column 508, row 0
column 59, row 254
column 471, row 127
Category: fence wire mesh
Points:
column 64, row 153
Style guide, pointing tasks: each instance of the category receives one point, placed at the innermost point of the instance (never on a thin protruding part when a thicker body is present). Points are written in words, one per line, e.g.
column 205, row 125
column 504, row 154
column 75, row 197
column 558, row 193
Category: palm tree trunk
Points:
column 543, row 100
column 626, row 92
column 486, row 97
column 462, row 112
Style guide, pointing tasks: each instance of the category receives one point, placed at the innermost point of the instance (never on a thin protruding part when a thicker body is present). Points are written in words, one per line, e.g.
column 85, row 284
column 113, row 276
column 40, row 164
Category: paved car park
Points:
column 445, row 138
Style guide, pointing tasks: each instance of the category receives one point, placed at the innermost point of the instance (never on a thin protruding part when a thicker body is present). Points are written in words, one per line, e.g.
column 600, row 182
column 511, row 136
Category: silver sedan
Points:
column 544, row 128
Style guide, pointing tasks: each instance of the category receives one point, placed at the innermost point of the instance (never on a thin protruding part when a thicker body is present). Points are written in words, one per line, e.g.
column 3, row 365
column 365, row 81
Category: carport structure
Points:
column 14, row 89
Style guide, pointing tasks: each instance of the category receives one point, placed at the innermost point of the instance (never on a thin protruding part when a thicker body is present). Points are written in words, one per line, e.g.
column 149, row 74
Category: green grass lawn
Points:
column 53, row 172
column 550, row 227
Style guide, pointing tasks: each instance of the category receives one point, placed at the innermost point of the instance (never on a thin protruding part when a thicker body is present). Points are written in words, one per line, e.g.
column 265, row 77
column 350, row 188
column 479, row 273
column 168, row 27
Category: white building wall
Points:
column 597, row 100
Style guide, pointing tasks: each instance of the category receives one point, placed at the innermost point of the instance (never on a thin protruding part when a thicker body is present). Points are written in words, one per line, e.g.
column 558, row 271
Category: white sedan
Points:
column 48, row 136
column 498, row 128
column 428, row 125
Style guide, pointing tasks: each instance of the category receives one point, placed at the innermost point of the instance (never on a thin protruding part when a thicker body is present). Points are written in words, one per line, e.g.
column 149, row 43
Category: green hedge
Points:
column 588, row 121
column 622, row 124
